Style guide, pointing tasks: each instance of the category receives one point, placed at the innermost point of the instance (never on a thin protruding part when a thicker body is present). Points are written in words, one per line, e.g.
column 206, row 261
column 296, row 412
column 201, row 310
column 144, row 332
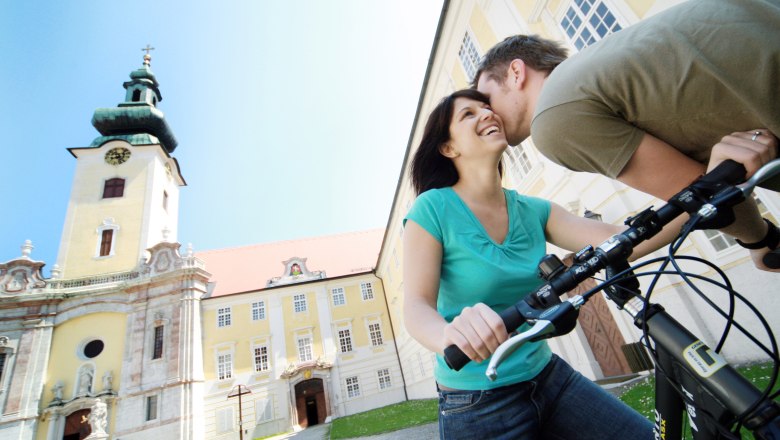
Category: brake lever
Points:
column 557, row 320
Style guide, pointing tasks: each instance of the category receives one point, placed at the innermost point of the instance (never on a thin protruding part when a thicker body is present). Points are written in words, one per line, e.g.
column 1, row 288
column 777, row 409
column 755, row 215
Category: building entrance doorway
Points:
column 310, row 402
column 77, row 425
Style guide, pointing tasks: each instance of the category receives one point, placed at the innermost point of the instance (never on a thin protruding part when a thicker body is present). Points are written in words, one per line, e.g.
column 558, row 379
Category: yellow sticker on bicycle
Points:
column 702, row 359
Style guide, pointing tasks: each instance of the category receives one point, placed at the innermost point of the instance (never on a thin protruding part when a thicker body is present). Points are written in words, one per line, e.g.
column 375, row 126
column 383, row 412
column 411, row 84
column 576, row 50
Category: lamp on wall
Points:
column 592, row 215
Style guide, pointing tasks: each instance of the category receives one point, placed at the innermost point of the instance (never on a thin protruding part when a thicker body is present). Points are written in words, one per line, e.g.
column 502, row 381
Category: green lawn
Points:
column 640, row 397
column 389, row 418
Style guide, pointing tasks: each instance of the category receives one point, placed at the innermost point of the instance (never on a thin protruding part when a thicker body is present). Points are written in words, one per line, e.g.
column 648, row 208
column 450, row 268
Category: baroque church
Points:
column 135, row 337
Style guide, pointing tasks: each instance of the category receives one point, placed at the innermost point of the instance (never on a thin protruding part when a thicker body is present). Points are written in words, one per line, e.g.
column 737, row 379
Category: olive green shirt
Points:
column 688, row 76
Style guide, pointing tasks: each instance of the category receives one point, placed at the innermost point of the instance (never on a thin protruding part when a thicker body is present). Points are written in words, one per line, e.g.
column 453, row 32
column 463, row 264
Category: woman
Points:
column 471, row 248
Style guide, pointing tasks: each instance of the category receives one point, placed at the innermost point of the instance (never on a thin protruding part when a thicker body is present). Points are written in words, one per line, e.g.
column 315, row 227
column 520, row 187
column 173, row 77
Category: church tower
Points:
column 125, row 193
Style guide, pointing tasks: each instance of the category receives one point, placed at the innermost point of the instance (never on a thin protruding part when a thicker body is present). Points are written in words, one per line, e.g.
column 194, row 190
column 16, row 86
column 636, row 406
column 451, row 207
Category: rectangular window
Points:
column 261, row 358
column 376, row 334
column 469, row 56
column 224, row 366
column 165, row 200
column 158, row 342
column 2, row 367
column 588, row 21
column 338, row 296
column 264, row 409
column 105, row 242
column 224, row 420
column 384, row 378
column 367, row 290
column 151, row 408
column 719, row 240
column 258, row 310
column 299, row 302
column 223, row 317
column 345, row 340
column 353, row 387
column 113, row 188
column 304, row 349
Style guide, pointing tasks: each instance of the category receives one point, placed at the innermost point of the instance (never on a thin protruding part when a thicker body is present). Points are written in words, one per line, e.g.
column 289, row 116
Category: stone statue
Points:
column 98, row 419
column 108, row 380
column 85, row 381
column 57, row 390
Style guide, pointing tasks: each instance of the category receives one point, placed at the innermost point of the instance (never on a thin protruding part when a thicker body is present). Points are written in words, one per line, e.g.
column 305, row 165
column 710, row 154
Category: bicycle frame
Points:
column 691, row 377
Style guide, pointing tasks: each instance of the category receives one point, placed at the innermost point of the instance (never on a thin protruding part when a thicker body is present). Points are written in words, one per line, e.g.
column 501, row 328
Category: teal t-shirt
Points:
column 476, row 269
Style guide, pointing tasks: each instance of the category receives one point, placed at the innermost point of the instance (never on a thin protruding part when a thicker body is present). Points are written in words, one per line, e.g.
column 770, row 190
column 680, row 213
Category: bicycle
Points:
column 689, row 375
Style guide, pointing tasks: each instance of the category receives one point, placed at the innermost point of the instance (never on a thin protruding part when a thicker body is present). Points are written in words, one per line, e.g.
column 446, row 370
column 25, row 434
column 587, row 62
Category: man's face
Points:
column 506, row 102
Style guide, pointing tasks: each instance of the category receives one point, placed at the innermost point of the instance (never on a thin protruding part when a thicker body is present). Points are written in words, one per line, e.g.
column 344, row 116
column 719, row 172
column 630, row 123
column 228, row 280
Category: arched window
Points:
column 136, row 95
column 114, row 188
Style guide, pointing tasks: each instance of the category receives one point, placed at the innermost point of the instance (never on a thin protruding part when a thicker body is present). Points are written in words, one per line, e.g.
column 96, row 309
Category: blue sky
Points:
column 299, row 110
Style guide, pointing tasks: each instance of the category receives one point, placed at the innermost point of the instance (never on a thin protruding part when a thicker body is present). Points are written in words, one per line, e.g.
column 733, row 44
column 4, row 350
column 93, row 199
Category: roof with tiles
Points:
column 249, row 268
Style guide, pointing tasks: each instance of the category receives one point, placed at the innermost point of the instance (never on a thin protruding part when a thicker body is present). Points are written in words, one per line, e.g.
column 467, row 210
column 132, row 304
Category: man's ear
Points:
column 447, row 150
column 516, row 73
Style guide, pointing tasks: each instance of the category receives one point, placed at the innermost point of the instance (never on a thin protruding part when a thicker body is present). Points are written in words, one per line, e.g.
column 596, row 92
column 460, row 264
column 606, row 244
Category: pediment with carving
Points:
column 295, row 271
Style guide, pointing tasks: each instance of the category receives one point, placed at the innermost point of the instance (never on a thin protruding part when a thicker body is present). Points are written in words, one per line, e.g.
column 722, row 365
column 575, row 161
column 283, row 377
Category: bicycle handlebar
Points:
column 711, row 197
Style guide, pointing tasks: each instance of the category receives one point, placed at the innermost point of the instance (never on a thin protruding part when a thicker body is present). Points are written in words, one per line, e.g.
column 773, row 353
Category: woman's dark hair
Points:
column 430, row 169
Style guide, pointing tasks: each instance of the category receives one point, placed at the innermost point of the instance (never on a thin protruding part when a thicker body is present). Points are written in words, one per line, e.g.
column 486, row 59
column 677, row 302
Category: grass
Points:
column 386, row 419
column 641, row 396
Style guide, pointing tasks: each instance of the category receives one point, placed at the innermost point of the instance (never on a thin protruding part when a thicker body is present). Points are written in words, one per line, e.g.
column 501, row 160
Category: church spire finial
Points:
column 147, row 57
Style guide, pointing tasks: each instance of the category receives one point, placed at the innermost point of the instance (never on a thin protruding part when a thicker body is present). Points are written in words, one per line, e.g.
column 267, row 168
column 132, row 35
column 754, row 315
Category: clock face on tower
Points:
column 116, row 156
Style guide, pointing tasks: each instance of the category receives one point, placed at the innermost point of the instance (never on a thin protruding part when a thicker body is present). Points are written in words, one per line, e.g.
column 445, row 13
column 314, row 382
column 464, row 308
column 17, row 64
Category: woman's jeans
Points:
column 559, row 403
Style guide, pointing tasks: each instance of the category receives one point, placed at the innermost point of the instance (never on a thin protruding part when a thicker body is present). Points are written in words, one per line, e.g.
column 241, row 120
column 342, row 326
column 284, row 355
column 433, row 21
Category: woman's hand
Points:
column 477, row 331
column 752, row 149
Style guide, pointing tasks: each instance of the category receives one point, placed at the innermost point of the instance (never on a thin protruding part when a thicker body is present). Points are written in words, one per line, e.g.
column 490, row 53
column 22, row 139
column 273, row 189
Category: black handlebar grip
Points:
column 727, row 171
column 456, row 359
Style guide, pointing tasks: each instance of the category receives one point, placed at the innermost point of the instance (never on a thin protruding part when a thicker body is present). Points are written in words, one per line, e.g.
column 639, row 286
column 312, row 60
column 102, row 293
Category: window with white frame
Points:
column 469, row 56
column 304, row 349
column 367, row 290
column 107, row 234
column 264, row 410
column 157, row 349
column 223, row 317
column 721, row 241
column 588, row 21
column 258, row 310
column 384, row 378
column 261, row 358
column 519, row 163
column 353, row 387
column 3, row 357
column 151, row 408
column 299, row 302
column 345, row 340
column 225, row 422
column 339, row 299
column 375, row 332
column 224, row 366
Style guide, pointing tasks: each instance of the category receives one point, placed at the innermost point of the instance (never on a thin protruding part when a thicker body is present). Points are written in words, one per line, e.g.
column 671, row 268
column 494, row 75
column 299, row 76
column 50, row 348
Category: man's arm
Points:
column 660, row 170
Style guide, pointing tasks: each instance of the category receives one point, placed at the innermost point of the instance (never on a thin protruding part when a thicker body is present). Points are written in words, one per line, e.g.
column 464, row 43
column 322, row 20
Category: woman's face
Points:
column 475, row 129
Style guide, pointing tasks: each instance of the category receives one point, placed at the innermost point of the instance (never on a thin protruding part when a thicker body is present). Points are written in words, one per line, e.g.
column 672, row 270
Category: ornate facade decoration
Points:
column 22, row 275
column 317, row 364
column 295, row 271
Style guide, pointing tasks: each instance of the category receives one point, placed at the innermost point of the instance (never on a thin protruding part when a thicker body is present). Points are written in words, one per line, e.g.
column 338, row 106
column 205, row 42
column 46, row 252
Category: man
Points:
column 656, row 104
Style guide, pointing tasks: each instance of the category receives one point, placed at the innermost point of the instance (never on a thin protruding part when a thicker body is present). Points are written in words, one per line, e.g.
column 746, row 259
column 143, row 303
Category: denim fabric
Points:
column 559, row 403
